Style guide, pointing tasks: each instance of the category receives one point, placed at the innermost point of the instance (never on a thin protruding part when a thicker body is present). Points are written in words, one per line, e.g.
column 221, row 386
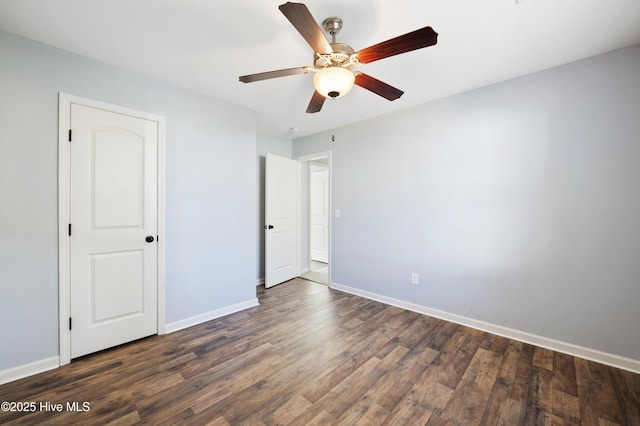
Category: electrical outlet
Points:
column 415, row 279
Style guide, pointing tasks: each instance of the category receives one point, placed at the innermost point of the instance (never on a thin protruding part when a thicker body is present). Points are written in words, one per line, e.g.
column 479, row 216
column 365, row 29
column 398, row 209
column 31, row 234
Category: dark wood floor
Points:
column 311, row 355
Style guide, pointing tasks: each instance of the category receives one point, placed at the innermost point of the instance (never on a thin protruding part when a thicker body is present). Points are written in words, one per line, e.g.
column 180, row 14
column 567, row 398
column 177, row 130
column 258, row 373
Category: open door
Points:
column 282, row 189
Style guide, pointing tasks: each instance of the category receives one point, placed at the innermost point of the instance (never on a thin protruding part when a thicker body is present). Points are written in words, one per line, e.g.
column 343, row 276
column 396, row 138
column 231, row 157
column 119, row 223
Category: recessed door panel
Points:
column 118, row 285
column 118, row 179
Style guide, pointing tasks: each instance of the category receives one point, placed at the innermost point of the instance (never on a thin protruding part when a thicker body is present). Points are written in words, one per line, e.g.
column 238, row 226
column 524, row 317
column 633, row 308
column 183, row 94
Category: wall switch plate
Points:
column 337, row 212
column 415, row 279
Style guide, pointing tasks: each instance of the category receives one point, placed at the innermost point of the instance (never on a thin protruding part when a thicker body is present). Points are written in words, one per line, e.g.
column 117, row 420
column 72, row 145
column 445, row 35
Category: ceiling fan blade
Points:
column 317, row 100
column 273, row 74
column 378, row 87
column 302, row 20
column 414, row 40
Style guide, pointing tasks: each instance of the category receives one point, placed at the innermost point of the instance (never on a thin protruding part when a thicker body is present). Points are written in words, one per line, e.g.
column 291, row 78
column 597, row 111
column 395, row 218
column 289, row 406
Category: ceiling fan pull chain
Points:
column 334, row 102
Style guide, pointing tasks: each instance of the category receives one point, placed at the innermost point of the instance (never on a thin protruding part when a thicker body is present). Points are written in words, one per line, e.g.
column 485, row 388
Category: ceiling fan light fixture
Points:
column 333, row 82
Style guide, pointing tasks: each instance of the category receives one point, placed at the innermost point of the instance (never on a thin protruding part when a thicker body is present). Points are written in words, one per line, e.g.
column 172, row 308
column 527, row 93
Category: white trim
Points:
column 260, row 282
column 208, row 316
column 64, row 284
column 30, row 369
column 544, row 342
column 63, row 220
column 162, row 235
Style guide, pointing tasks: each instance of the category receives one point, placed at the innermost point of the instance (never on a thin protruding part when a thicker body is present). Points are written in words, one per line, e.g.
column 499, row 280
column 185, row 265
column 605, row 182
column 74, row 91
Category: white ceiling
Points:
column 205, row 45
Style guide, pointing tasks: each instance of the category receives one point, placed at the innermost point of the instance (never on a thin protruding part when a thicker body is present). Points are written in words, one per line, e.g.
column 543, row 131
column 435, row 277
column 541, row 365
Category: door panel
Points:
column 113, row 193
column 282, row 186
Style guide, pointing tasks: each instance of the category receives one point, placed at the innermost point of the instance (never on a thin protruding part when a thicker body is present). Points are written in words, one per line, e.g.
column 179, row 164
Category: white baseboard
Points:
column 30, row 369
column 552, row 344
column 208, row 316
column 260, row 282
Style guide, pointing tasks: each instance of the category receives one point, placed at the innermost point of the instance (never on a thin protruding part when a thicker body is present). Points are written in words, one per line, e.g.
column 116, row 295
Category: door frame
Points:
column 64, row 177
column 307, row 159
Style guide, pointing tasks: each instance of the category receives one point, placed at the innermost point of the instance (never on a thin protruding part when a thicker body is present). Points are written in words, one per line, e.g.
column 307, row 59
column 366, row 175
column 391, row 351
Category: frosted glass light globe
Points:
column 333, row 82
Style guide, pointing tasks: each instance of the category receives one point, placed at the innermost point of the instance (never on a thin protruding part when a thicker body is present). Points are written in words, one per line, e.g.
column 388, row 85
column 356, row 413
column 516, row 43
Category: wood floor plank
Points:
column 309, row 355
column 289, row 410
column 388, row 391
column 470, row 397
column 627, row 390
column 456, row 355
column 322, row 419
column 520, row 386
column 539, row 405
column 501, row 409
column 392, row 353
column 565, row 406
column 425, row 398
column 373, row 416
column 398, row 381
column 543, row 358
column 344, row 394
column 586, row 391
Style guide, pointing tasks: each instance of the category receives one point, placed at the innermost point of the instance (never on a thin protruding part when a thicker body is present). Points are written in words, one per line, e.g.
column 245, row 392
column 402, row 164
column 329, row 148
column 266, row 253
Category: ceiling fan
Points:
column 334, row 62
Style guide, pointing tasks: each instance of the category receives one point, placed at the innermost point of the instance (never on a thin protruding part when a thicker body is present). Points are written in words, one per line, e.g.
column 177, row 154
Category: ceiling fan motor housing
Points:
column 340, row 57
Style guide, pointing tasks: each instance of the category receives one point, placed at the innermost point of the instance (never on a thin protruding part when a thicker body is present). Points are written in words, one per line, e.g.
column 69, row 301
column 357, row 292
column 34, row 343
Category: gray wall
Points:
column 210, row 191
column 518, row 204
column 266, row 144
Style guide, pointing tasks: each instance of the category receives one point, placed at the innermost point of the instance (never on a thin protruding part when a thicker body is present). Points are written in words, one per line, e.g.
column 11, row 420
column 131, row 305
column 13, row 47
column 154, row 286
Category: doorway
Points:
column 316, row 217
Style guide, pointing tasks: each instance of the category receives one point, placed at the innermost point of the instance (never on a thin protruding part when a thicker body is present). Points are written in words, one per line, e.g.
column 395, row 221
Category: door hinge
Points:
column 69, row 135
column 69, row 323
column 69, row 229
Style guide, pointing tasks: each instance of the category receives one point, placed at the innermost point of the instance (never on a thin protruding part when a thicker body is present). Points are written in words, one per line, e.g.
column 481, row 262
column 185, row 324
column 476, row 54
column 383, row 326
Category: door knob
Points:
column 149, row 238
column 268, row 227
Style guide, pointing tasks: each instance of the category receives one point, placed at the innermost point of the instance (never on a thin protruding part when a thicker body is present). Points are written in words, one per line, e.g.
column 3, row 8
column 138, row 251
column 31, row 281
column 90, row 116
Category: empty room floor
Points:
column 312, row 355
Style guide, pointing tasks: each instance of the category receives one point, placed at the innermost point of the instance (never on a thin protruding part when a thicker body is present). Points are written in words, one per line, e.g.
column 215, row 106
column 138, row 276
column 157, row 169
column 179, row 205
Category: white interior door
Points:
column 319, row 213
column 282, row 187
column 113, row 214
